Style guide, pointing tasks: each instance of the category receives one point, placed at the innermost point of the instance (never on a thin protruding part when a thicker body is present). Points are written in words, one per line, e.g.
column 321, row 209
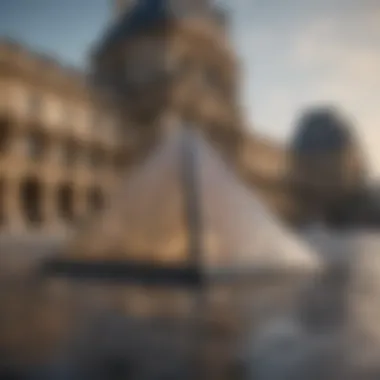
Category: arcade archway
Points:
column 31, row 200
column 66, row 202
column 95, row 200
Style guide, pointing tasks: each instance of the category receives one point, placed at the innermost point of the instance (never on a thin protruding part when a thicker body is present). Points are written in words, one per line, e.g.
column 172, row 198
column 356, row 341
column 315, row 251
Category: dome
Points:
column 154, row 219
column 322, row 130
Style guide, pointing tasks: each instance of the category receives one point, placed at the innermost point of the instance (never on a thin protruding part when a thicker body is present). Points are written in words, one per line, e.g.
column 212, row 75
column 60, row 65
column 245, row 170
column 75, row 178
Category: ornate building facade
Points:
column 164, row 59
column 65, row 136
column 60, row 149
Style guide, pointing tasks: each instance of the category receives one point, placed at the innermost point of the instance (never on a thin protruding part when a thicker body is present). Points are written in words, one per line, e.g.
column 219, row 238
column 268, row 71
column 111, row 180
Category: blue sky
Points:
column 294, row 53
column 62, row 28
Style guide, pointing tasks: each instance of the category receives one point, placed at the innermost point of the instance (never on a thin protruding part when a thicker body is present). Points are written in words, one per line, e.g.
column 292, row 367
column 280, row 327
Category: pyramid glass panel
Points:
column 148, row 219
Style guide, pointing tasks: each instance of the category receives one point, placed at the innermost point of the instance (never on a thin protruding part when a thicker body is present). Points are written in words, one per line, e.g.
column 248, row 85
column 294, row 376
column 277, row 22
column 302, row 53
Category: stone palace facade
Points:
column 66, row 136
column 60, row 149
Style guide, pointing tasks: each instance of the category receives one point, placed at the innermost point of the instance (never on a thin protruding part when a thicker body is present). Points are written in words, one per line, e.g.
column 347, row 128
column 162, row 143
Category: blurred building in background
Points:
column 327, row 167
column 66, row 135
column 167, row 60
column 264, row 166
column 60, row 151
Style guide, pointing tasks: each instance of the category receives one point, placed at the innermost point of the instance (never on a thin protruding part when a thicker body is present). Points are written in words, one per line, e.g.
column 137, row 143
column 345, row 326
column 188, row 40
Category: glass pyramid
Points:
column 185, row 205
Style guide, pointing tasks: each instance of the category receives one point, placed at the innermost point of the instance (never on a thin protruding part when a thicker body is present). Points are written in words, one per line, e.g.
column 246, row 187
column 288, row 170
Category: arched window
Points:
column 95, row 200
column 66, row 202
column 31, row 200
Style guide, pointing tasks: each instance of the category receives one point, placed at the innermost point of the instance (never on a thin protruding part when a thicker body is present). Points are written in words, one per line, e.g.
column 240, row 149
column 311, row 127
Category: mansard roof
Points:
column 147, row 14
column 322, row 130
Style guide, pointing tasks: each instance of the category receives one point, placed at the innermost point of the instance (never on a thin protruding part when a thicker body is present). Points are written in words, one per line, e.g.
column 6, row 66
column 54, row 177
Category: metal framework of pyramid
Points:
column 184, row 206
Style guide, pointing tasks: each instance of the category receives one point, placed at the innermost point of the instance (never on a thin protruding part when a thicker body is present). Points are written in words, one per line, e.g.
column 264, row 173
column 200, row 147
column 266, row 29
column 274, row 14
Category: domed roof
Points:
column 321, row 130
column 149, row 219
